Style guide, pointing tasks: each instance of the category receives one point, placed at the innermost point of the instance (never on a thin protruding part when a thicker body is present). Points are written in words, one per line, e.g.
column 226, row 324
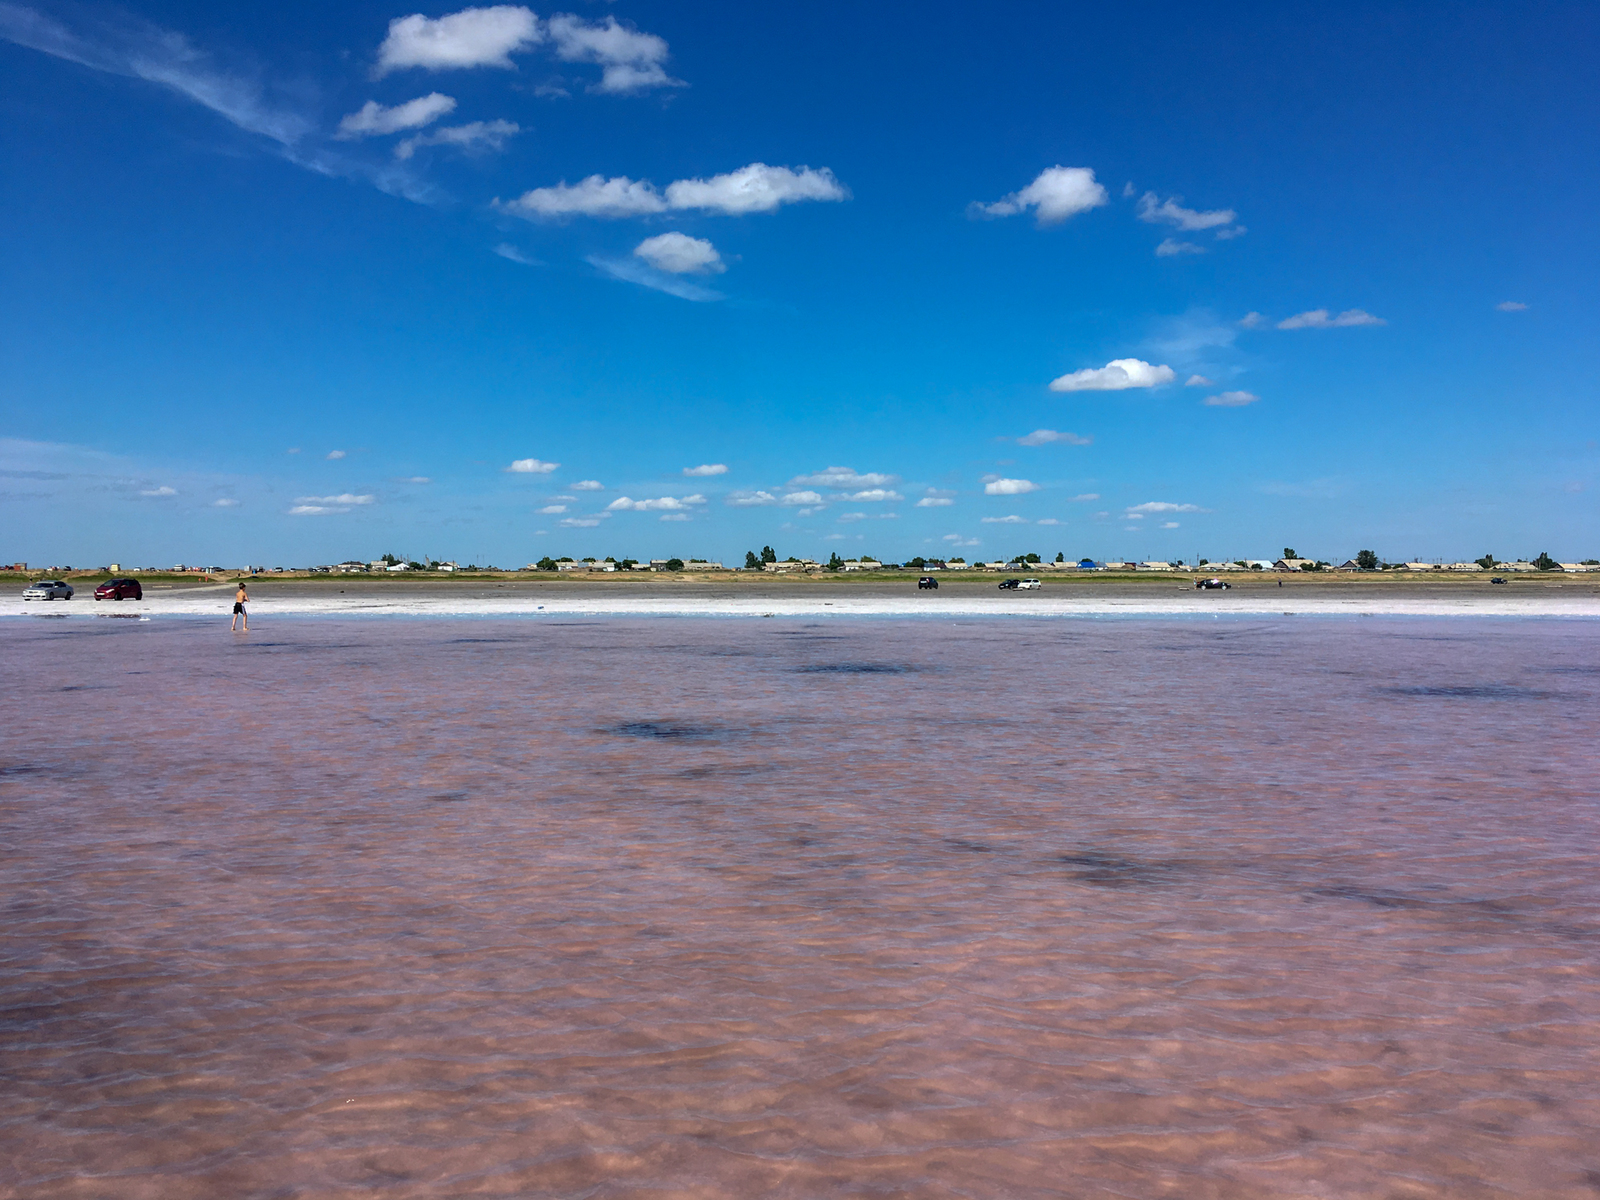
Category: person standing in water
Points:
column 240, row 599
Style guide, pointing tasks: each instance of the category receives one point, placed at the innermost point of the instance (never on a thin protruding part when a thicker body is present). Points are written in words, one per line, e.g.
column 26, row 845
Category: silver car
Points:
column 48, row 589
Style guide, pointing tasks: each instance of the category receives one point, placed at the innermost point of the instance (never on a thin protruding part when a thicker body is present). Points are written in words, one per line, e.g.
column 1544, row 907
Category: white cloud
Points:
column 844, row 477
column 1058, row 193
column 1169, row 525
column 852, row 516
column 335, row 455
column 508, row 251
column 750, row 499
column 1013, row 519
column 1047, row 521
column 872, row 495
column 755, row 188
column 225, row 502
column 595, row 196
column 1159, row 506
column 553, row 508
column 659, row 504
column 313, row 510
column 1009, row 487
column 707, row 469
column 1044, row 437
column 935, row 502
column 675, row 516
column 1511, row 306
column 632, row 61
column 474, row 137
column 580, row 522
column 473, row 37
column 1171, row 246
column 342, row 498
column 374, row 120
column 1199, row 381
column 681, row 254
column 1318, row 318
column 160, row 491
column 316, row 506
column 1085, row 497
column 955, row 539
column 1117, row 375
column 792, row 498
column 414, row 479
column 532, row 466
column 1232, row 399
column 1170, row 212
column 1227, row 235
column 588, row 485
column 1252, row 320
column 629, row 271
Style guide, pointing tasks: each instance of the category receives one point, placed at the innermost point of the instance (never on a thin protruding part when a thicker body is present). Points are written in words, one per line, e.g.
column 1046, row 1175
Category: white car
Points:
column 1030, row 585
column 48, row 589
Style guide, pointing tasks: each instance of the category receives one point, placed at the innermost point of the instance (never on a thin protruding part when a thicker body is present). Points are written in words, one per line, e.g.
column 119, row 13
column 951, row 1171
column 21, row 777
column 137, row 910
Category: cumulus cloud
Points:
column 659, row 504
column 532, row 466
column 1318, row 318
column 844, row 477
column 225, row 502
column 374, row 120
column 681, row 254
column 335, row 455
column 801, row 498
column 1170, row 212
column 632, row 61
column 1160, row 506
column 1511, row 306
column 750, row 189
column 588, row 485
column 159, row 491
column 630, row 271
column 553, row 508
column 316, row 506
column 750, row 499
column 580, row 522
column 1058, row 193
column 473, row 37
column 1009, row 487
column 707, row 469
column 473, row 137
column 1199, row 381
column 873, row 495
column 1045, row 437
column 935, row 502
column 675, row 516
column 1013, row 519
column 1171, row 246
column 1232, row 399
column 1117, row 375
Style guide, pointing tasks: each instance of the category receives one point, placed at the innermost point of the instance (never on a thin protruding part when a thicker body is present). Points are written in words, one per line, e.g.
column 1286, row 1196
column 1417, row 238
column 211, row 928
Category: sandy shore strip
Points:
column 687, row 597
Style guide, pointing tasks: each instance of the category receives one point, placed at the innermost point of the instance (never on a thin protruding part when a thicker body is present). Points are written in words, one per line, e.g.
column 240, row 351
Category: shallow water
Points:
column 723, row 908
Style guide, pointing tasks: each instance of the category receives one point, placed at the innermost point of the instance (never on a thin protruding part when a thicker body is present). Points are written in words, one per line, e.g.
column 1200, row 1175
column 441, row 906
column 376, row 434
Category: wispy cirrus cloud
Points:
column 1319, row 318
column 1047, row 437
column 630, row 271
column 475, row 137
column 374, row 120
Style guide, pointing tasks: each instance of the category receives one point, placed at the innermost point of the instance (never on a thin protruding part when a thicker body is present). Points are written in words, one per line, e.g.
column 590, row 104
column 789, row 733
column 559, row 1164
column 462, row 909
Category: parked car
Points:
column 1030, row 585
column 119, row 589
column 1212, row 584
column 928, row 581
column 48, row 589
column 1010, row 585
column 1497, row 579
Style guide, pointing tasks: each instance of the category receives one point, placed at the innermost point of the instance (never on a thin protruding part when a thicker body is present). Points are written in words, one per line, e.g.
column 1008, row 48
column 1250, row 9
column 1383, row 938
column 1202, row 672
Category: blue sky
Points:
column 286, row 285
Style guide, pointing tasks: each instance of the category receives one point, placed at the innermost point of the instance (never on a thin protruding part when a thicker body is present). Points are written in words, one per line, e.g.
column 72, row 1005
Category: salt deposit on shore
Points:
column 678, row 599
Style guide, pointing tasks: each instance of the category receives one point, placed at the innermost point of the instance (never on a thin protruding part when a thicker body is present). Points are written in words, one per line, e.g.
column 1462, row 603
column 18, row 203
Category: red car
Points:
column 119, row 589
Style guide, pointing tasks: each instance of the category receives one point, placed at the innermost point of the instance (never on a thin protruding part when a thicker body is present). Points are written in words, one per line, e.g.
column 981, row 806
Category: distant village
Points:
column 767, row 562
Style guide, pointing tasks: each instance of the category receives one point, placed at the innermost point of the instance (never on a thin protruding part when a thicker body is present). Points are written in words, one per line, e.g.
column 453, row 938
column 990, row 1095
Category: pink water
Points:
column 681, row 908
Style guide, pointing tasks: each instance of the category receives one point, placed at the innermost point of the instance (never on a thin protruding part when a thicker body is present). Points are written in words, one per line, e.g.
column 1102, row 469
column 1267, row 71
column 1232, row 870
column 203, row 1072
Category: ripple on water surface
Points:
column 728, row 909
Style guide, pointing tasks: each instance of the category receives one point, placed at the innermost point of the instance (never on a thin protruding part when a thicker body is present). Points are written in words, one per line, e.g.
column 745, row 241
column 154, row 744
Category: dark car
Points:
column 119, row 589
column 1210, row 584
column 1497, row 579
column 1010, row 585
column 928, row 581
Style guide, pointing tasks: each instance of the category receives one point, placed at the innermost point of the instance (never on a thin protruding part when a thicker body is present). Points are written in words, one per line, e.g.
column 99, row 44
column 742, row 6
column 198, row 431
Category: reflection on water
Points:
column 730, row 909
